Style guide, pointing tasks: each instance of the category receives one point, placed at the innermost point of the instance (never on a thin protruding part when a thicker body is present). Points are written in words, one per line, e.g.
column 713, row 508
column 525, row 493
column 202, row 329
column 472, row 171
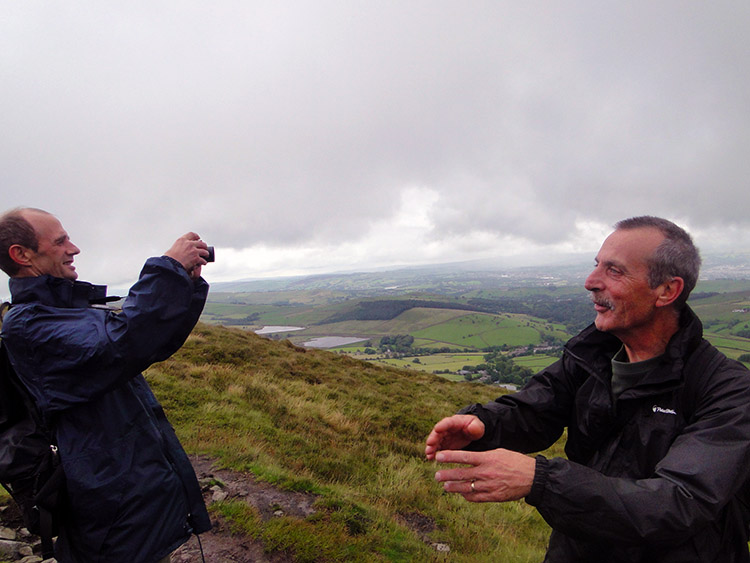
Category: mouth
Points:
column 602, row 305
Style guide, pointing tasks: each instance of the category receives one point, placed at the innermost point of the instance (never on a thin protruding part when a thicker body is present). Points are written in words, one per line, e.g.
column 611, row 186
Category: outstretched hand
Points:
column 493, row 476
column 453, row 433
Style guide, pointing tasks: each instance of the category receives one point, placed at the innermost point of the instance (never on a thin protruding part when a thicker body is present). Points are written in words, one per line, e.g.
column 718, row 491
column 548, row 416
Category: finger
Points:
column 432, row 444
column 436, row 440
column 455, row 424
column 457, row 474
column 433, row 438
column 457, row 456
column 462, row 487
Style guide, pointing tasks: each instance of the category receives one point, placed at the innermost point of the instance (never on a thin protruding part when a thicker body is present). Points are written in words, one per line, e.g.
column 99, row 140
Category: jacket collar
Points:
column 56, row 292
column 595, row 349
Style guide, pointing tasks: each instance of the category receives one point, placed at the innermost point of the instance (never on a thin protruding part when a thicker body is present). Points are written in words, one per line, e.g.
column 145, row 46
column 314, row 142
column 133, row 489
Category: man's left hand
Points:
column 190, row 251
column 493, row 476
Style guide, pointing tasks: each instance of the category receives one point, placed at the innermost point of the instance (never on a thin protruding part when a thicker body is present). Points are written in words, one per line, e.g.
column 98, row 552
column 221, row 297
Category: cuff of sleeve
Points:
column 175, row 263
column 534, row 498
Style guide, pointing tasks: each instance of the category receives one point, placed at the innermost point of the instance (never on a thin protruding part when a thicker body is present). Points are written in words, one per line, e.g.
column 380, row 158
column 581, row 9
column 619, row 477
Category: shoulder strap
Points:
column 3, row 309
column 699, row 367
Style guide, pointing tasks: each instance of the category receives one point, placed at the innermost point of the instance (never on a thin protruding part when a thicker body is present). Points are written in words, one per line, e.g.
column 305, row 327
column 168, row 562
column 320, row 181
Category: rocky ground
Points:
column 217, row 545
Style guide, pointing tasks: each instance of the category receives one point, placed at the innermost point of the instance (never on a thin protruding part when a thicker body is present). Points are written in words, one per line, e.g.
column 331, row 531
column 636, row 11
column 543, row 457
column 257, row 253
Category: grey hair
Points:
column 676, row 256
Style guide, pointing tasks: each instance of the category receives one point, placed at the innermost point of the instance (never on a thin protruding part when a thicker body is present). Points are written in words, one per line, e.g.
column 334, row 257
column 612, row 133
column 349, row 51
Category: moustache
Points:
column 601, row 302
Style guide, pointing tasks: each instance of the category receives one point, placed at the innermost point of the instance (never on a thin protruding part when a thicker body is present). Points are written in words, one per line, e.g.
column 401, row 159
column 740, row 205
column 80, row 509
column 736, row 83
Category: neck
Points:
column 651, row 341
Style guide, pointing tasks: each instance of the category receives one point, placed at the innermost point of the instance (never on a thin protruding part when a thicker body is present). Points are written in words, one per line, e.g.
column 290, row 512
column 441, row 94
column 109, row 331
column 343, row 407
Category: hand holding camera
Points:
column 190, row 251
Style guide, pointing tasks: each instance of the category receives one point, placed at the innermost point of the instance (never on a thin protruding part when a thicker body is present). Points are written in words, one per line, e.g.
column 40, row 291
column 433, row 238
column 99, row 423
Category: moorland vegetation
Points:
column 350, row 432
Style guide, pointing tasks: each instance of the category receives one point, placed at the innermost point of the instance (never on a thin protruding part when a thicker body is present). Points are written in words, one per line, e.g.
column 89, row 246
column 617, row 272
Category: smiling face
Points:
column 55, row 252
column 624, row 302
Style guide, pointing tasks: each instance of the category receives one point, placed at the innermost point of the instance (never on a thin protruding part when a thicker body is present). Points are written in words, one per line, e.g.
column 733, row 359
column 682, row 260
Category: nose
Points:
column 593, row 281
column 73, row 249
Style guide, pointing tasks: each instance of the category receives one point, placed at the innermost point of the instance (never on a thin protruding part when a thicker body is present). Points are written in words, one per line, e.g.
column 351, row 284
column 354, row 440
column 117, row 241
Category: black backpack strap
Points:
column 47, row 502
column 46, row 534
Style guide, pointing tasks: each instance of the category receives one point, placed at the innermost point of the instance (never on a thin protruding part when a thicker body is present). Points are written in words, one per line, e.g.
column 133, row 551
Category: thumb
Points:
column 475, row 428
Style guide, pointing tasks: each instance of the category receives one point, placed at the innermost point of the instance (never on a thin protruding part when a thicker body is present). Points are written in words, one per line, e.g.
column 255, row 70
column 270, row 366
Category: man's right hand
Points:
column 453, row 433
column 190, row 251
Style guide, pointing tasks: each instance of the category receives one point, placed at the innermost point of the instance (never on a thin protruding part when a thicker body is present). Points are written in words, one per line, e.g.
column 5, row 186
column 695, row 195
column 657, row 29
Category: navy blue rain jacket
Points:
column 133, row 493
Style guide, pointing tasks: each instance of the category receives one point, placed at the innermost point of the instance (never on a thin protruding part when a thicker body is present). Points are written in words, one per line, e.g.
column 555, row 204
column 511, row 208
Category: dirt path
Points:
column 219, row 546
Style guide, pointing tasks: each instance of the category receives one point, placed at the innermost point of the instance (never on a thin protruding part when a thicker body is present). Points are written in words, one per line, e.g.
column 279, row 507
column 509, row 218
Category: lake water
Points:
column 320, row 342
column 332, row 341
column 274, row 329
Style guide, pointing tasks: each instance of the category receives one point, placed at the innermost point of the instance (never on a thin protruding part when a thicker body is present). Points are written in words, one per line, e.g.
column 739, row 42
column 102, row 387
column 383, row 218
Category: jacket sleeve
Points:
column 702, row 471
column 71, row 356
column 530, row 420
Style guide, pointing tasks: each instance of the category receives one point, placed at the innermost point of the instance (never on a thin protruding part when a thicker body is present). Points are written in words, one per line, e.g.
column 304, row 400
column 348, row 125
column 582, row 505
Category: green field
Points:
column 435, row 328
column 434, row 363
column 733, row 347
column 535, row 363
column 482, row 331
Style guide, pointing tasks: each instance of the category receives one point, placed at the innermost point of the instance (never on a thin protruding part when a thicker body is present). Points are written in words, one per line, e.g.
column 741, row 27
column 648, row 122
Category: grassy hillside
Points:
column 348, row 431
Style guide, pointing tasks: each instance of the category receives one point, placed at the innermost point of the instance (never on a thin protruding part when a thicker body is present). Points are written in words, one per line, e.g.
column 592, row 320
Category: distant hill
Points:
column 568, row 270
column 443, row 279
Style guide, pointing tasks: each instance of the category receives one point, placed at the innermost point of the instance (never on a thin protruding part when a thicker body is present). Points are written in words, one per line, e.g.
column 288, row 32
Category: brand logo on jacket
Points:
column 662, row 410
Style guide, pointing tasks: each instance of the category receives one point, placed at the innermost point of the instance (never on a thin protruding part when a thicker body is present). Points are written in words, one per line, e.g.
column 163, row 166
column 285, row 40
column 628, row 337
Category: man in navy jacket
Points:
column 658, row 422
column 132, row 493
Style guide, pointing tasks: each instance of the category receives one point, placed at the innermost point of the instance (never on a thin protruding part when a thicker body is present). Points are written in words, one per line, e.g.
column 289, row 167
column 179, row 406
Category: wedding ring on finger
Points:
column 473, row 490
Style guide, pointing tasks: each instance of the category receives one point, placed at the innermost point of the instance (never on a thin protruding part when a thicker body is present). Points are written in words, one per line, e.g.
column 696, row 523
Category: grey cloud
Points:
column 302, row 122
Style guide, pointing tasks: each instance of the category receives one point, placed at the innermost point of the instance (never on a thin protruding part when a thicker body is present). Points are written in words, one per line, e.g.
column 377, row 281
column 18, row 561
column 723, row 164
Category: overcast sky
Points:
column 307, row 137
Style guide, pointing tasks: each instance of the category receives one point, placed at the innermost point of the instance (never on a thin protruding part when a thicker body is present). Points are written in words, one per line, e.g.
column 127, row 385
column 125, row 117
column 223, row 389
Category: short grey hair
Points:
column 676, row 256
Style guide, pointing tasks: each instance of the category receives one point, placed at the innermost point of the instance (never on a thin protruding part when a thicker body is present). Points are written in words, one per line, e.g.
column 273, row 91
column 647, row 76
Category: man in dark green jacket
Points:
column 658, row 448
column 132, row 492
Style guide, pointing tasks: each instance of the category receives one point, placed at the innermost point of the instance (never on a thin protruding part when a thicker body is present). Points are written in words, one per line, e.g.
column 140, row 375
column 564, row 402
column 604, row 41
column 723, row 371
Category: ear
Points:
column 20, row 254
column 669, row 291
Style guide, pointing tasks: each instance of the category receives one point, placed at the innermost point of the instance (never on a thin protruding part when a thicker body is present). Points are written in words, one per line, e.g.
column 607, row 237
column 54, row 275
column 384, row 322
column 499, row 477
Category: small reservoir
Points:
column 272, row 329
column 332, row 341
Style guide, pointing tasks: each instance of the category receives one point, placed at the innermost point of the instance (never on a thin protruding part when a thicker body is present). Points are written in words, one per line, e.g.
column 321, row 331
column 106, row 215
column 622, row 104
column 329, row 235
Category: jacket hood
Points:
column 56, row 292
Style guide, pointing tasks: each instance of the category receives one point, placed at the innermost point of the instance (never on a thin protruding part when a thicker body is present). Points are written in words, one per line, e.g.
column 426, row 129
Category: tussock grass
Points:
column 349, row 431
